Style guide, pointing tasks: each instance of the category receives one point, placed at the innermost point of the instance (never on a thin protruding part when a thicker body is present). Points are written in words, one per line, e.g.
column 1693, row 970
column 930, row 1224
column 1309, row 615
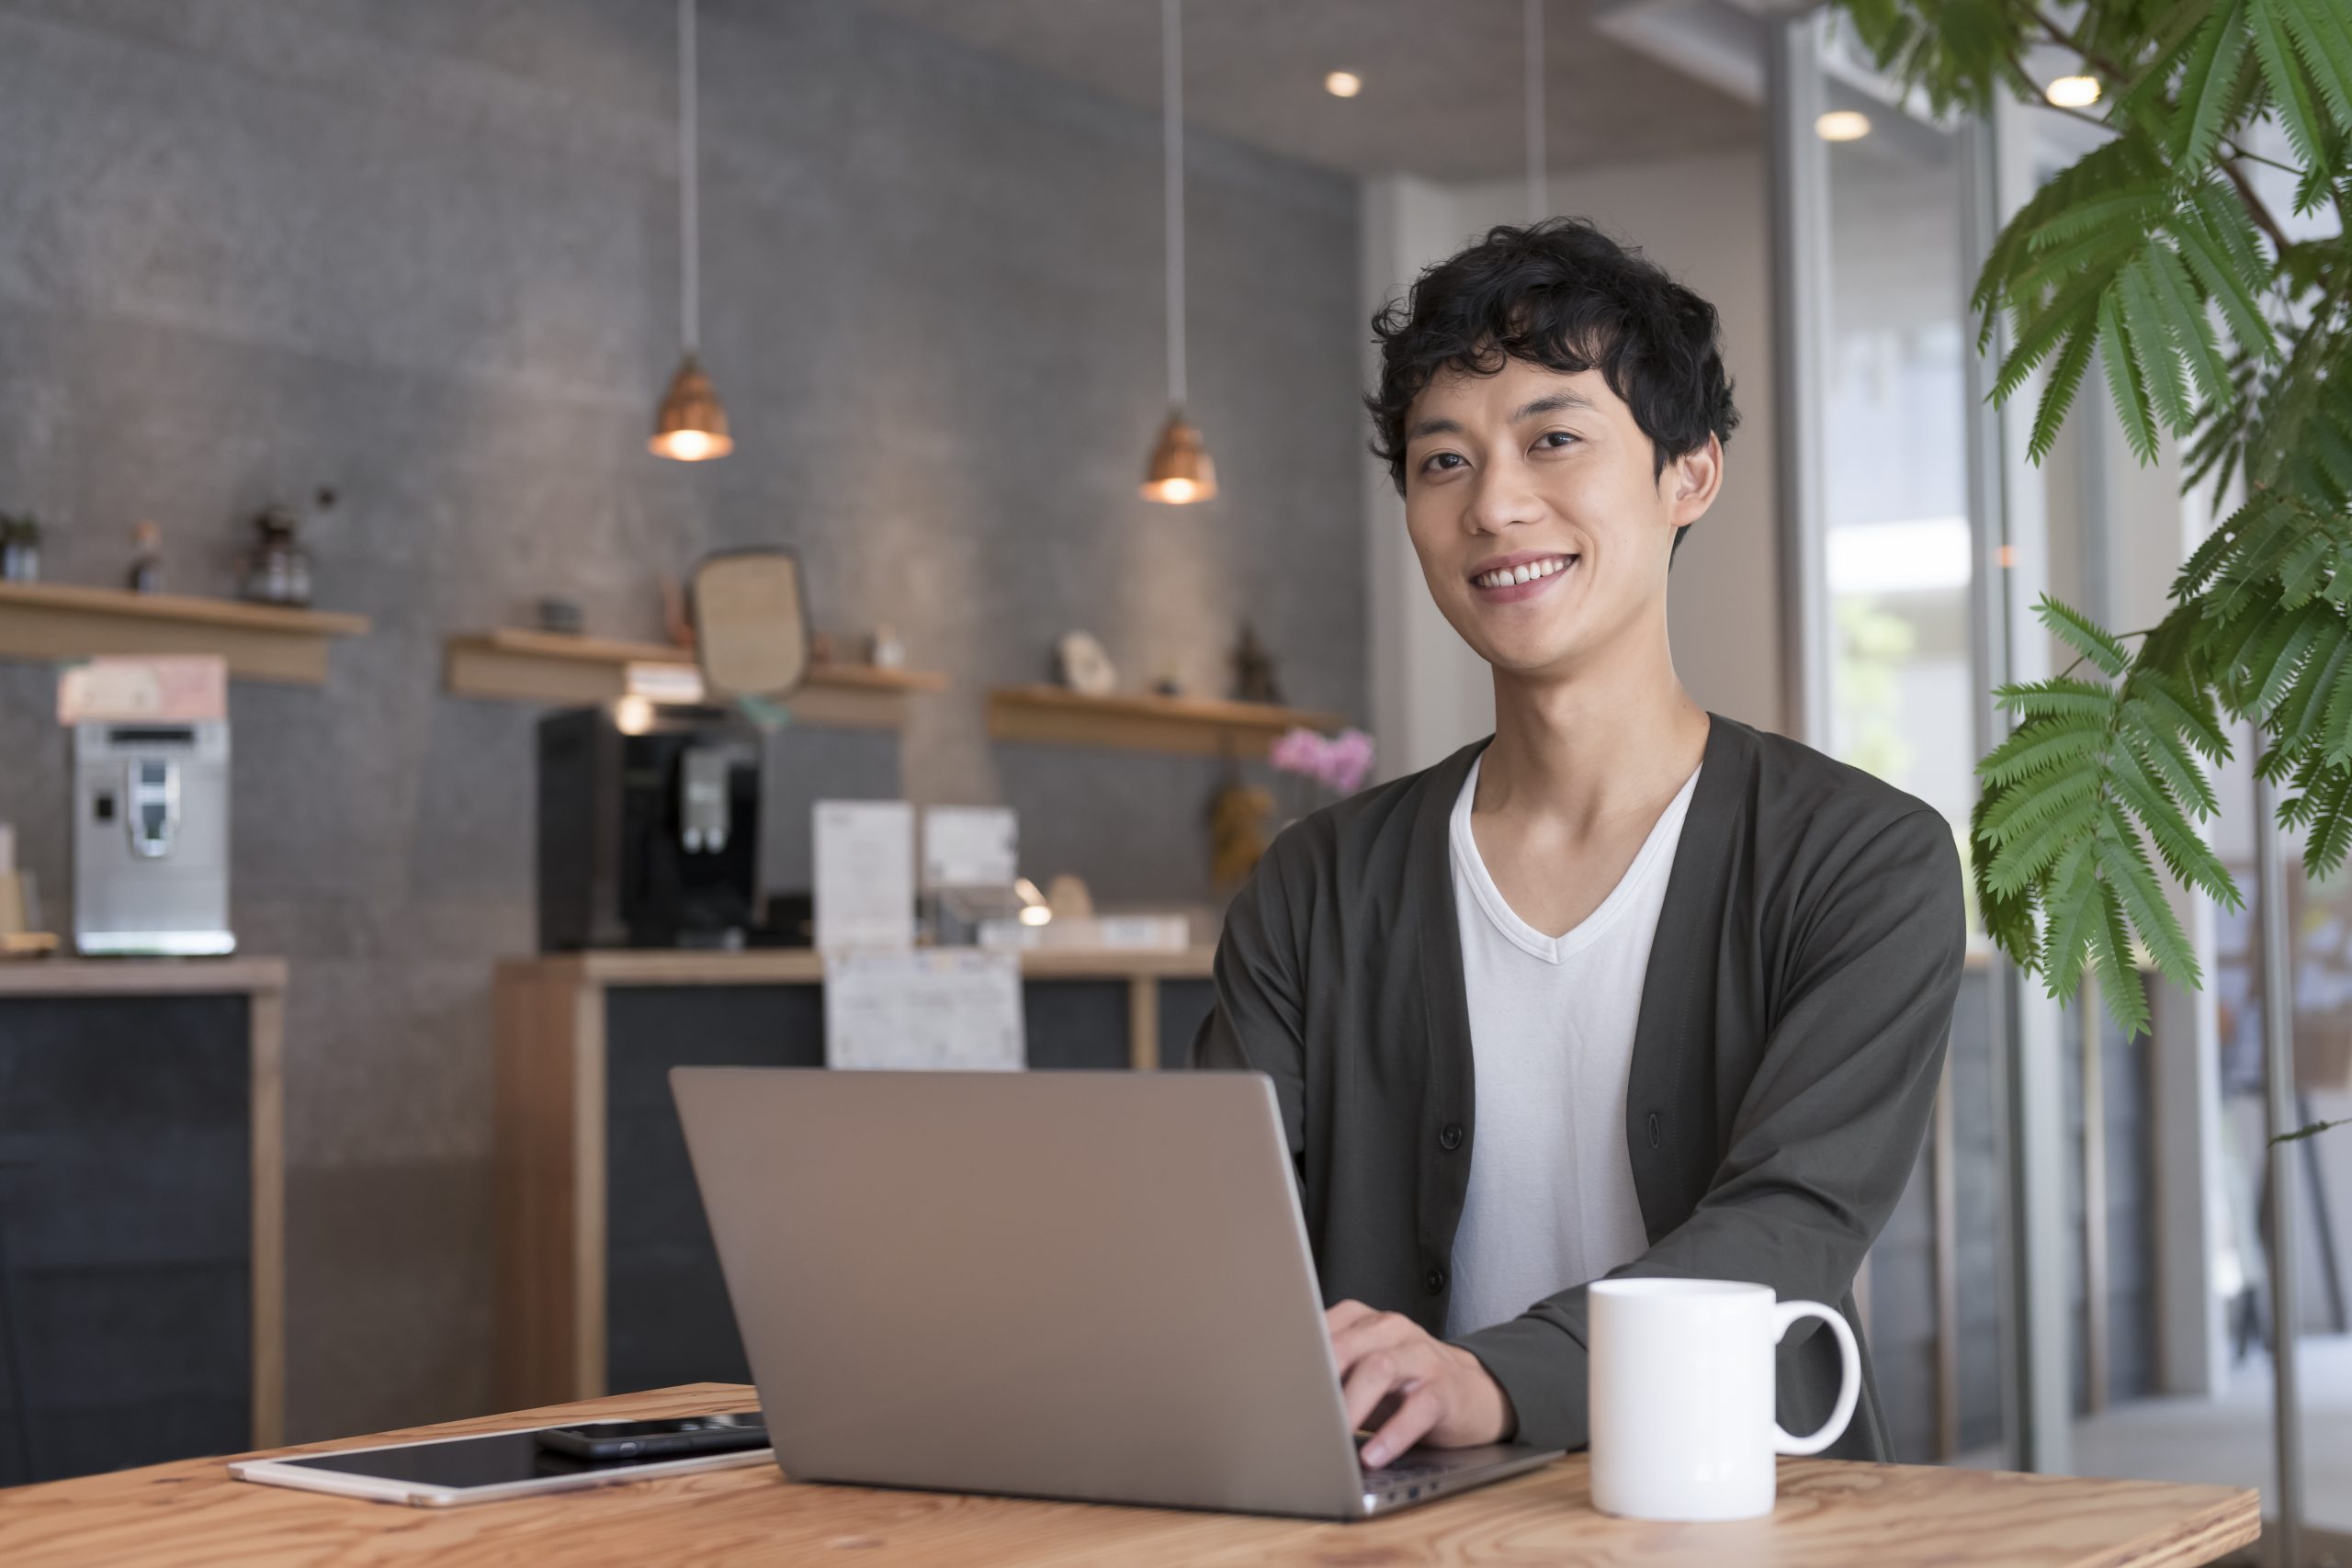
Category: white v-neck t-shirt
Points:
column 1551, row 1203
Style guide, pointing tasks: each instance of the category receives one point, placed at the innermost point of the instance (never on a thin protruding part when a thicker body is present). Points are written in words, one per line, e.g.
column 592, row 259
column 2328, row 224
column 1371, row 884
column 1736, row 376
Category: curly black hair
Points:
column 1563, row 295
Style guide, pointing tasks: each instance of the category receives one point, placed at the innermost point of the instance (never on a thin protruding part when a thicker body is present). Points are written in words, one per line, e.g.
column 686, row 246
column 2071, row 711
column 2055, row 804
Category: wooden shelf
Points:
column 553, row 668
column 805, row 966
column 1188, row 726
column 140, row 976
column 261, row 642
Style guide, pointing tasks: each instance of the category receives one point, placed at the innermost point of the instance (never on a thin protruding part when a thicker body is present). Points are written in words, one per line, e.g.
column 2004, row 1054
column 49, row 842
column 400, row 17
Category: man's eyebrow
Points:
column 1433, row 427
column 1552, row 404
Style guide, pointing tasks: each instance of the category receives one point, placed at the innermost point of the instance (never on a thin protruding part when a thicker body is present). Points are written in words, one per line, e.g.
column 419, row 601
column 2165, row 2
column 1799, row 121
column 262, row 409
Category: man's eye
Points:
column 1555, row 439
column 1438, row 462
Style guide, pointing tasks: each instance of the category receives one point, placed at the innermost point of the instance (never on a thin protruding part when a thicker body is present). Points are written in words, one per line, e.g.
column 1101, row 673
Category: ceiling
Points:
column 1443, row 95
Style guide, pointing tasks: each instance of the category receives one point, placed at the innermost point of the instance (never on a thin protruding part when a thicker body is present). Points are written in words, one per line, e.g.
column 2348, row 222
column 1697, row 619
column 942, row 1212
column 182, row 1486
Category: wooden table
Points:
column 1831, row 1513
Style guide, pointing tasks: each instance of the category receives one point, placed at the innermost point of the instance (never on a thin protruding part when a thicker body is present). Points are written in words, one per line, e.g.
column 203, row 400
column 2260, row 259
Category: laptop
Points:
column 1083, row 1286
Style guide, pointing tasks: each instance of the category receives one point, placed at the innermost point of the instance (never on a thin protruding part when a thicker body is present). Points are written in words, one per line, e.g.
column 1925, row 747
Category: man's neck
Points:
column 1585, row 747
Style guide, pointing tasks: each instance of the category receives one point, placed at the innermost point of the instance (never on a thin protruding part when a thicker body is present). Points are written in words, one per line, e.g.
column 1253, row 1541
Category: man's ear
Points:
column 1692, row 480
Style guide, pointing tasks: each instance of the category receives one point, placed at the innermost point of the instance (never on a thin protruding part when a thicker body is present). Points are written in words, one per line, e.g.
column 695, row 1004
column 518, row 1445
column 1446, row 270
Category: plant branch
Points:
column 2254, row 206
column 2065, row 40
column 2253, row 157
column 2314, row 1131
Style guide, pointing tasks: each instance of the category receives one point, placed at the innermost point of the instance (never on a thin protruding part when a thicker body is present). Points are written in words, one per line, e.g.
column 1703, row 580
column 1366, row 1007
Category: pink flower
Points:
column 1298, row 750
column 1347, row 761
column 1340, row 764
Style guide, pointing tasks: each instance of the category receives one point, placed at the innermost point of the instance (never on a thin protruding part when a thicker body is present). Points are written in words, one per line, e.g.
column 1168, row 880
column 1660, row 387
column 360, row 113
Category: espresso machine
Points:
column 150, row 837
column 648, row 827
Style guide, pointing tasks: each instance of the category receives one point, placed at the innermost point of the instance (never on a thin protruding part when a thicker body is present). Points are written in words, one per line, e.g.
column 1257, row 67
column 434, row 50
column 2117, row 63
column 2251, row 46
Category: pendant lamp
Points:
column 1181, row 470
column 691, row 425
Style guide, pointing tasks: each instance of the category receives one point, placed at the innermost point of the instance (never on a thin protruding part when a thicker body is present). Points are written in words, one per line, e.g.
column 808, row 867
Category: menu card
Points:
column 970, row 846
column 864, row 875
column 948, row 1009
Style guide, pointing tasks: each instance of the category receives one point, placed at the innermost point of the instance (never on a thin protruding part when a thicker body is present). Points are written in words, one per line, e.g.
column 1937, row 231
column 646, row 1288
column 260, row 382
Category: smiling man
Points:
column 1626, row 988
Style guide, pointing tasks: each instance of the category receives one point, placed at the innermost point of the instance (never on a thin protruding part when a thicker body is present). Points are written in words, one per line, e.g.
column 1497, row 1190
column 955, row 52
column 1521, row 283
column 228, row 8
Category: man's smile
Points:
column 1504, row 580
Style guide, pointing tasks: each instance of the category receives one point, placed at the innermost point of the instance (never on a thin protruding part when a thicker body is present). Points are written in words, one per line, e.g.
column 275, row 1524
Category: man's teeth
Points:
column 1504, row 577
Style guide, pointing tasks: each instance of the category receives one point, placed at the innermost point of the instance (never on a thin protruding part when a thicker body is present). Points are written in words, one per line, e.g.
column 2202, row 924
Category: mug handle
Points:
column 1849, row 1377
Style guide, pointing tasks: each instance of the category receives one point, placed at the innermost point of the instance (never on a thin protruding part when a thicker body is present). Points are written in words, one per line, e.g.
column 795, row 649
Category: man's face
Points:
column 1541, row 521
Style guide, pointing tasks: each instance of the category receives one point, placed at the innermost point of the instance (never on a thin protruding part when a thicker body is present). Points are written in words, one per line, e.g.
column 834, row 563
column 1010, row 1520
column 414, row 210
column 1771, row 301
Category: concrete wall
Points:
column 1702, row 219
column 425, row 252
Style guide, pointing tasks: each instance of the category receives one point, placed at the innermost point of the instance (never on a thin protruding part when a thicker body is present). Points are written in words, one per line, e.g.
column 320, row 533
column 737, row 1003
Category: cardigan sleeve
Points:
column 1822, row 1143
column 1259, row 1017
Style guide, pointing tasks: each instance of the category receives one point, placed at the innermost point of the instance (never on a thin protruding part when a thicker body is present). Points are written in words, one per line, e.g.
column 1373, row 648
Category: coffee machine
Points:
column 648, row 827
column 150, row 837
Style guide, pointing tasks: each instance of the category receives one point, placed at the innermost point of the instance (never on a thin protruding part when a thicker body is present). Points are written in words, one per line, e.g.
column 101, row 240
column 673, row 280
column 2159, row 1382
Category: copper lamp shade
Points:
column 1182, row 471
column 691, row 425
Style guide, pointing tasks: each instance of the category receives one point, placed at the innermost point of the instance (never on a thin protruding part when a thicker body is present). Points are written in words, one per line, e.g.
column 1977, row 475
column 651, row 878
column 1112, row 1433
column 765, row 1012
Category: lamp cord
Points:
column 1171, row 84
column 1538, row 197
column 689, row 182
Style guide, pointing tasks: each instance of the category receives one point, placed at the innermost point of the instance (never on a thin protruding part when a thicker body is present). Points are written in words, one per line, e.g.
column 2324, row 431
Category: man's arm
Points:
column 1259, row 1017
column 1826, row 1137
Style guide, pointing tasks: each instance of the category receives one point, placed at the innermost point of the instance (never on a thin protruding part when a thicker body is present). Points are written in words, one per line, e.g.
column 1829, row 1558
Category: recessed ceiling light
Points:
column 2073, row 92
column 1842, row 125
column 1343, row 84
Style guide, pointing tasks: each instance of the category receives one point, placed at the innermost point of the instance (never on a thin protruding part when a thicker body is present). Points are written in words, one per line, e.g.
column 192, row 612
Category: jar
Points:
column 277, row 571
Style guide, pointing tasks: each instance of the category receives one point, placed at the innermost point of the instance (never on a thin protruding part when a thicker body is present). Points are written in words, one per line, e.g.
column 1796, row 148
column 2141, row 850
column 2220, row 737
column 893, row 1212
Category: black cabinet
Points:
column 129, row 1276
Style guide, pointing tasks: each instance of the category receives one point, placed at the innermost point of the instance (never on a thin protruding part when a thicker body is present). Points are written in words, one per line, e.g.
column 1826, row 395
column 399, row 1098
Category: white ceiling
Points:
column 1442, row 94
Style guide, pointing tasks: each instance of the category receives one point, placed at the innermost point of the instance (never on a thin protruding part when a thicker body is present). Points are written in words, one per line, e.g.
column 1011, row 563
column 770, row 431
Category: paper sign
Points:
column 864, row 875
column 970, row 846
column 947, row 1009
column 173, row 689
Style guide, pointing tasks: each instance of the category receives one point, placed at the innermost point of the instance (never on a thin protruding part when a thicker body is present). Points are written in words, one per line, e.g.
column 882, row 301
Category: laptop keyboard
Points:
column 1405, row 1470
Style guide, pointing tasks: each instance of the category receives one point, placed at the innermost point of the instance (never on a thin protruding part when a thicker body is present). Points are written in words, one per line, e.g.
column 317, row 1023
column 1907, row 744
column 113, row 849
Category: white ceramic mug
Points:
column 1681, row 1396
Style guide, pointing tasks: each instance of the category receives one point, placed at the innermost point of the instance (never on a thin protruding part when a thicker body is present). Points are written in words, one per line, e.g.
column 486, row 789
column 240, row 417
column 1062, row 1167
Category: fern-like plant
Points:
column 2155, row 255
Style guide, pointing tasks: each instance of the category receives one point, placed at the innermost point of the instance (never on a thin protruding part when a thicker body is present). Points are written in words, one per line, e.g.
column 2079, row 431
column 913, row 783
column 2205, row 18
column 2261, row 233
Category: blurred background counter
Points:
column 608, row 1281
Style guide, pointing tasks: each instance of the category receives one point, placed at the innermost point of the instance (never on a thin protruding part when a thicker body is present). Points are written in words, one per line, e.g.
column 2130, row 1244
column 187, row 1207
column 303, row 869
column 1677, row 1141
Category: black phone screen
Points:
column 662, row 1428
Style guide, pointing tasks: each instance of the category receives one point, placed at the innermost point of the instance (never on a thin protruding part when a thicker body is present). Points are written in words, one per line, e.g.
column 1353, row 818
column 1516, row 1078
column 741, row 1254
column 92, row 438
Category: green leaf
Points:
column 2058, row 392
column 2085, row 636
column 2124, row 382
column 2170, row 279
column 2045, row 743
column 2282, row 74
column 2225, row 283
column 2076, row 905
column 2210, row 83
column 2123, row 862
column 2325, row 807
column 2158, row 333
column 2127, row 1004
column 2318, row 30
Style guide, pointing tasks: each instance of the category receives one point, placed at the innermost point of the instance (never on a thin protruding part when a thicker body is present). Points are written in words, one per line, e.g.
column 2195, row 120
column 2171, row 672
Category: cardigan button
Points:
column 1449, row 1137
column 1435, row 1280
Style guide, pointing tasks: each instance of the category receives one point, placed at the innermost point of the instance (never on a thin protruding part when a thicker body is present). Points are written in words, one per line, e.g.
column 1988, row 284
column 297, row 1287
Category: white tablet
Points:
column 452, row 1471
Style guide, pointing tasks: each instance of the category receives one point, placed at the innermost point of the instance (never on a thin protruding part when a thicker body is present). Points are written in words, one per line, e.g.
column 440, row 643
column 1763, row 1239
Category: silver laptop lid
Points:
column 1086, row 1285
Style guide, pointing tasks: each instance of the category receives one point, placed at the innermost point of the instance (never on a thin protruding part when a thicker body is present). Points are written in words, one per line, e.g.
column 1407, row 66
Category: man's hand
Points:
column 1438, row 1393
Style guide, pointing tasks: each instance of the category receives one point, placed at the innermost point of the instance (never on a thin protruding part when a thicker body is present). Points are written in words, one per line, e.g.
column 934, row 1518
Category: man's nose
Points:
column 1501, row 496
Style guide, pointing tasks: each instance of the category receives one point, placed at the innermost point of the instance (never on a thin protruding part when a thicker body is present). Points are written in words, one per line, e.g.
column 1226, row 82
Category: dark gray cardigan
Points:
column 1793, row 1029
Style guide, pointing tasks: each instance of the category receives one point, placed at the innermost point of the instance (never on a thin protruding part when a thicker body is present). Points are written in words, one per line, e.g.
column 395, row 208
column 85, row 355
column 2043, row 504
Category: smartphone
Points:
column 679, row 1435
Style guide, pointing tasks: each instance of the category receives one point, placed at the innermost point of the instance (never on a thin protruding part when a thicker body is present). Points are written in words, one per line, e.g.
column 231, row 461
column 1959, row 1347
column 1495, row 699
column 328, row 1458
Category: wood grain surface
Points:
column 1831, row 1515
column 806, row 966
column 140, row 976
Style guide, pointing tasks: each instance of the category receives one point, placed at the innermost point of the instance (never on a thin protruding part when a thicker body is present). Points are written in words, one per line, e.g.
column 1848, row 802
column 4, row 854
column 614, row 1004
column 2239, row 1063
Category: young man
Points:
column 1627, row 988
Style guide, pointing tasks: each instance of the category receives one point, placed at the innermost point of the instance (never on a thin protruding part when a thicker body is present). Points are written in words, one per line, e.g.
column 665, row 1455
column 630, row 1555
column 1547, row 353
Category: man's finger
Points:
column 1373, row 1379
column 1415, row 1417
column 1345, row 1315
